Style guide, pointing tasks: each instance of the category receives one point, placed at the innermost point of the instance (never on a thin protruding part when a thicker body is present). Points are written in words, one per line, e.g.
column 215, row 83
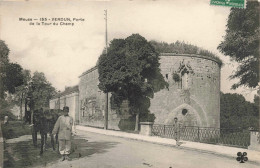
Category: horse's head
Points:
column 53, row 114
column 59, row 112
column 48, row 115
column 38, row 116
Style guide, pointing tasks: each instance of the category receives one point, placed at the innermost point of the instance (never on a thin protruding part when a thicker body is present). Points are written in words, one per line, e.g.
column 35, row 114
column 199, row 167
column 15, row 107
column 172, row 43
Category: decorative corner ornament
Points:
column 242, row 158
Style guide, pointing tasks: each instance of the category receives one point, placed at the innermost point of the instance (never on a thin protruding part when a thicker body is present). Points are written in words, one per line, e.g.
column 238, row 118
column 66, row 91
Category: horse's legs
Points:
column 42, row 143
column 52, row 142
column 45, row 141
column 56, row 138
column 58, row 145
column 34, row 136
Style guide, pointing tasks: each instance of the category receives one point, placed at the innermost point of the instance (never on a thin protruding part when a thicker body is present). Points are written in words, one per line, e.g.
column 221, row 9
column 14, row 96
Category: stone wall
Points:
column 195, row 98
column 92, row 103
column 70, row 100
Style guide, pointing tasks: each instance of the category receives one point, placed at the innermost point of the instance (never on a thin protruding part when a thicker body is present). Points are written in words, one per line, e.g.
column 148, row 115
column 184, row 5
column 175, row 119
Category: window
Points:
column 185, row 70
column 184, row 111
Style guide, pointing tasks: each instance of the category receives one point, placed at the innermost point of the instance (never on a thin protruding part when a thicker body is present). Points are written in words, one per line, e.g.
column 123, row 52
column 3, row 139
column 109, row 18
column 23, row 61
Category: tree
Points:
column 21, row 92
column 236, row 112
column 241, row 43
column 40, row 91
column 10, row 73
column 4, row 60
column 130, row 71
column 13, row 78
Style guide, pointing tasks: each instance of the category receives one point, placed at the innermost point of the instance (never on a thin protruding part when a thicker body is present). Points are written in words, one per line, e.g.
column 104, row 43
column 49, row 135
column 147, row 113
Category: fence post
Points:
column 254, row 140
column 198, row 134
column 164, row 130
column 179, row 132
column 146, row 128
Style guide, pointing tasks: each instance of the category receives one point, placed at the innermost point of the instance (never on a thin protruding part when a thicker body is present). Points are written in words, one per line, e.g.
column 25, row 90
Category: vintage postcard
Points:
column 129, row 84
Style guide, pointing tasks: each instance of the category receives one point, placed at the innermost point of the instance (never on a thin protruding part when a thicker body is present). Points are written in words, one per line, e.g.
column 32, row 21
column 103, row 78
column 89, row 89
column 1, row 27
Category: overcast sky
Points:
column 65, row 52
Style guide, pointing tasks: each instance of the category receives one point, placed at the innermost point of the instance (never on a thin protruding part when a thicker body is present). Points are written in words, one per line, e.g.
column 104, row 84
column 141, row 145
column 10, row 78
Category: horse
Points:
column 43, row 122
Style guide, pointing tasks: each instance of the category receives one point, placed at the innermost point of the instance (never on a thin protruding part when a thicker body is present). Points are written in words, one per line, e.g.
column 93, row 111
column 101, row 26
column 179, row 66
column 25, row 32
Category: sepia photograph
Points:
column 129, row 84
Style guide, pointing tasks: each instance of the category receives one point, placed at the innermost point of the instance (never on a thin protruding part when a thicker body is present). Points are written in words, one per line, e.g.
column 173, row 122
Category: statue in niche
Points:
column 185, row 71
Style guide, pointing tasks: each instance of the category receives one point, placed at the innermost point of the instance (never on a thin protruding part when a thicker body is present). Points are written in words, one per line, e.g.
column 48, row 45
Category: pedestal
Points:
column 254, row 141
column 146, row 128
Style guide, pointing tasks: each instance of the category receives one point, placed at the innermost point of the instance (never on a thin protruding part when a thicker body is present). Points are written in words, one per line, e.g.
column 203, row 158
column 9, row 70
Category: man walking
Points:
column 177, row 131
column 63, row 127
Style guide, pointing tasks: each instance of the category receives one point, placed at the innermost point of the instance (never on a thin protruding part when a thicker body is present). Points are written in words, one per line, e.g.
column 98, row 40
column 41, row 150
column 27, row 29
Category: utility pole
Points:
column 106, row 99
column 0, row 26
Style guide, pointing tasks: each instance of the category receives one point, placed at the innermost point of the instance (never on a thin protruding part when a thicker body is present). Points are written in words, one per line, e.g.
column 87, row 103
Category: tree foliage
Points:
column 13, row 78
column 4, row 52
column 10, row 73
column 236, row 112
column 22, row 90
column 241, row 43
column 130, row 71
column 21, row 93
column 40, row 91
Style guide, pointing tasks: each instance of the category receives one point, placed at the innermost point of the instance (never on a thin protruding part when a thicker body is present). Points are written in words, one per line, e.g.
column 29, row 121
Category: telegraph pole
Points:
column 106, row 99
column 0, row 26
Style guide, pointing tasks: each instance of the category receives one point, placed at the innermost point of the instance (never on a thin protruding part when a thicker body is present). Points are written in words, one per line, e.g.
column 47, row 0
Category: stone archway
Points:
column 186, row 115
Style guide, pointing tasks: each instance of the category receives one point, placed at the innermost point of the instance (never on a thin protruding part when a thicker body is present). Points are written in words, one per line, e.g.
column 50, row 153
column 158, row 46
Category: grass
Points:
column 15, row 129
column 24, row 154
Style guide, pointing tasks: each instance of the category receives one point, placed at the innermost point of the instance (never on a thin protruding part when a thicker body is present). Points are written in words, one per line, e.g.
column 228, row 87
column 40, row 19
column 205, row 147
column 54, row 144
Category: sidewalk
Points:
column 253, row 156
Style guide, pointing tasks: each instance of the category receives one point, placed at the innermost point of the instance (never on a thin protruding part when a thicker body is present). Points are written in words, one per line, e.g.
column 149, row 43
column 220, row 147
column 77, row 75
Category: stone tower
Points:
column 193, row 95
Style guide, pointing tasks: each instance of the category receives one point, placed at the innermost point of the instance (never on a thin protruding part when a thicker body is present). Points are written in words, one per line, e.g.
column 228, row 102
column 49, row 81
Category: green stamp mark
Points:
column 229, row 3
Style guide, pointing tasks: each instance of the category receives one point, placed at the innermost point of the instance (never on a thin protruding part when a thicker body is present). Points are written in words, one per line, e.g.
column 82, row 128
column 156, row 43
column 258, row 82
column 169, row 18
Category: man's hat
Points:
column 66, row 108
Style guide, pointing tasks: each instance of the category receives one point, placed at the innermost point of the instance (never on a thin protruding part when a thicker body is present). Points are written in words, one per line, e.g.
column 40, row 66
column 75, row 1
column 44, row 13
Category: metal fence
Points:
column 221, row 136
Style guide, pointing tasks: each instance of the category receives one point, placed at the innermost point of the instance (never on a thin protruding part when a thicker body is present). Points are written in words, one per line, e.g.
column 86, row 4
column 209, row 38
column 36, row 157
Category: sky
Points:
column 64, row 52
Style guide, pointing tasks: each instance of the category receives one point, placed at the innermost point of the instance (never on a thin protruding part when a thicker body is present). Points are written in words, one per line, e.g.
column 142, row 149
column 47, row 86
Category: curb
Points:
column 224, row 151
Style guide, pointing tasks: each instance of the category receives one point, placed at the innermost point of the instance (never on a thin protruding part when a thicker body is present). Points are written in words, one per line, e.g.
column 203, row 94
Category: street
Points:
column 112, row 152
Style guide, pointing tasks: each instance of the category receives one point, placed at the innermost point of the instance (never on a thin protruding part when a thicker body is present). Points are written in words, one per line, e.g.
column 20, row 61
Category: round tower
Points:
column 193, row 95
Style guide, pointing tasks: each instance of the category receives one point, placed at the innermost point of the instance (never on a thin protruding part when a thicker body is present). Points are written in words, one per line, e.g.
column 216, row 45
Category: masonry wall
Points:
column 92, row 102
column 195, row 99
column 70, row 100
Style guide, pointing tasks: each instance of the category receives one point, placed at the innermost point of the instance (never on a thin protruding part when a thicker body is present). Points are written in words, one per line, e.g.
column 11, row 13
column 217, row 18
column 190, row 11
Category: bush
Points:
column 147, row 117
column 11, row 116
column 127, row 124
column 14, row 129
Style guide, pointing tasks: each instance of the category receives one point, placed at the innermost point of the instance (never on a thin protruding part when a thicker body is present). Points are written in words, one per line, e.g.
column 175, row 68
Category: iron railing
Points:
column 221, row 136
